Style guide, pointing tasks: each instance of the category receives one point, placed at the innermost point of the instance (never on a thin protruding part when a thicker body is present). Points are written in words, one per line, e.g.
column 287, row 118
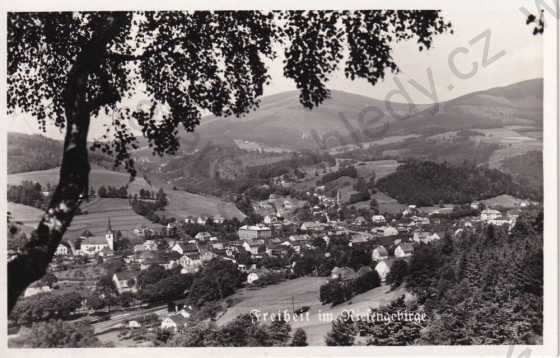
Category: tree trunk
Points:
column 32, row 262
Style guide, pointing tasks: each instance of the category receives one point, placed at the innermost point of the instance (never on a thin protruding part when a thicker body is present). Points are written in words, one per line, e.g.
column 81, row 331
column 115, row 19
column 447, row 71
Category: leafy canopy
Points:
column 188, row 64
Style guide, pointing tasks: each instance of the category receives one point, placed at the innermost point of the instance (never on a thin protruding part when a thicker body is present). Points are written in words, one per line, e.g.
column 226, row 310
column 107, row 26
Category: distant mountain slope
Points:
column 281, row 121
column 519, row 104
column 31, row 152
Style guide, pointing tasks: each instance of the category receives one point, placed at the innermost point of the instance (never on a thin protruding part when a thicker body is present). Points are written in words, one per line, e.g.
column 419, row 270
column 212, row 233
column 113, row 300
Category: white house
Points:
column 182, row 248
column 424, row 237
column 490, row 214
column 378, row 219
column 404, row 249
column 251, row 232
column 190, row 262
column 202, row 220
column 383, row 268
column 62, row 250
column 254, row 246
column 255, row 274
column 125, row 281
column 203, row 235
column 312, row 226
column 411, row 210
column 379, row 253
column 149, row 245
column 218, row 219
column 174, row 323
column 36, row 289
column 270, row 219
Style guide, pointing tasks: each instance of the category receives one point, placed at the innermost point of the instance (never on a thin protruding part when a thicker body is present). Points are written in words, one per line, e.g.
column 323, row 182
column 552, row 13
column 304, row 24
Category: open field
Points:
column 381, row 168
column 182, row 204
column 305, row 292
column 122, row 217
column 388, row 204
column 505, row 201
column 27, row 215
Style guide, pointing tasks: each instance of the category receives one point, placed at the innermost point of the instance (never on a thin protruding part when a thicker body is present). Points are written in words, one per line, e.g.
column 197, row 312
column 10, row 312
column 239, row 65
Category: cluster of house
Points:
column 497, row 218
column 381, row 258
column 258, row 240
column 203, row 219
column 277, row 206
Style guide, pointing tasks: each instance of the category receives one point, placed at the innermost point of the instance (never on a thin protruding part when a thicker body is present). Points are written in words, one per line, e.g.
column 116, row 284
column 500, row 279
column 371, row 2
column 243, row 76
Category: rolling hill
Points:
column 180, row 205
column 282, row 122
column 496, row 127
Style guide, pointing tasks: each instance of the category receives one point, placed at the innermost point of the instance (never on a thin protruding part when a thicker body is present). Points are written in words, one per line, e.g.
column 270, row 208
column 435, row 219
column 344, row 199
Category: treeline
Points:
column 45, row 306
column 27, row 193
column 426, row 183
column 244, row 331
column 349, row 171
column 290, row 165
column 113, row 192
column 314, row 262
column 338, row 291
column 149, row 209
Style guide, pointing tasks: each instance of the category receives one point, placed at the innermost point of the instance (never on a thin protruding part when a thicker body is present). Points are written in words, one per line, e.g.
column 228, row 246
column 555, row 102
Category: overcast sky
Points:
column 518, row 57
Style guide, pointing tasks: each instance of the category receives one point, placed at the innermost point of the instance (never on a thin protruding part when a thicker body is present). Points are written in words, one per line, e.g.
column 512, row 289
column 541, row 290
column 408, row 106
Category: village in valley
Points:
column 132, row 285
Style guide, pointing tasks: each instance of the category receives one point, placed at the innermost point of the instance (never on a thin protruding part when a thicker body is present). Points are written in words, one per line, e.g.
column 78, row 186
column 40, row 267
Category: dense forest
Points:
column 426, row 183
column 479, row 288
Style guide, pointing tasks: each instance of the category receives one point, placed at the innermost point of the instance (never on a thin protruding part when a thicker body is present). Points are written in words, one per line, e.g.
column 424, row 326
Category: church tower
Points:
column 110, row 235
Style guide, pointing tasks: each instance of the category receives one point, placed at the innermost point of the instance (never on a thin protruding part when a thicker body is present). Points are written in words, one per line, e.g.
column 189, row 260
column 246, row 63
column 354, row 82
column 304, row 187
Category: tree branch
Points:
column 120, row 57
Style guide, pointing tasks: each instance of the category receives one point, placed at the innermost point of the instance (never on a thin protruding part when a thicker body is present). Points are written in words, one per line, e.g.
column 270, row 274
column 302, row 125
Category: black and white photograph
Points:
column 360, row 174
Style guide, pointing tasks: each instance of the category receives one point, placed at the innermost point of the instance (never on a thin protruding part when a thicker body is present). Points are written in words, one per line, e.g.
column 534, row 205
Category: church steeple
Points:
column 109, row 236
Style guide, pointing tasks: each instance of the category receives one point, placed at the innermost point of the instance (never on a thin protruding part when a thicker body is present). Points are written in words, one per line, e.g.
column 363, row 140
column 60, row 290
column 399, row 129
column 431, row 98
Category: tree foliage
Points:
column 69, row 67
column 61, row 334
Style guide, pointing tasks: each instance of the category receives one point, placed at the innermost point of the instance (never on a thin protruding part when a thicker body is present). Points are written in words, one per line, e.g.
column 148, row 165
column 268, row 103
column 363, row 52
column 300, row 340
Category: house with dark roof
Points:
column 343, row 273
column 404, row 249
column 379, row 253
column 255, row 246
column 254, row 274
column 126, row 281
column 182, row 248
column 174, row 323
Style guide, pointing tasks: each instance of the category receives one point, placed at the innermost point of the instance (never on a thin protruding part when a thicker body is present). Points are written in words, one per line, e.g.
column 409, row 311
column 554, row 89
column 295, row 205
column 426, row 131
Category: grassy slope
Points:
column 305, row 292
column 180, row 205
column 100, row 210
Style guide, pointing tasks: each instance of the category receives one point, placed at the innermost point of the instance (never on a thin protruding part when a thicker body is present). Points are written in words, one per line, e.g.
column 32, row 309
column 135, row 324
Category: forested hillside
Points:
column 426, row 183
column 27, row 153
